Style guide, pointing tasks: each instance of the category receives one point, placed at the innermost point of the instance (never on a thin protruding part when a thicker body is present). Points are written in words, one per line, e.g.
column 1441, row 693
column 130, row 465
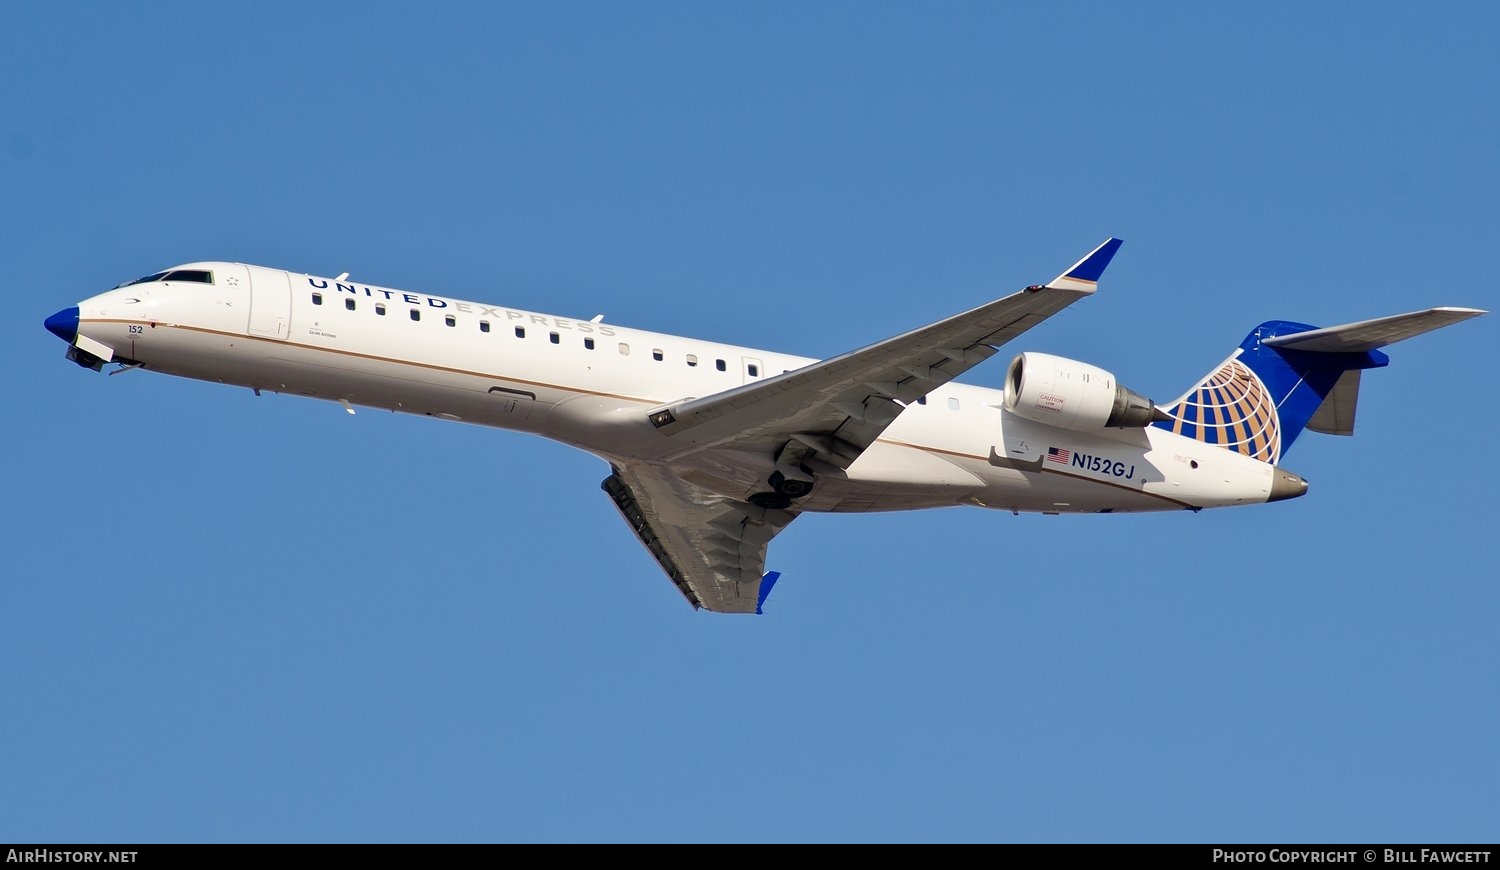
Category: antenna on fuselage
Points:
column 342, row 276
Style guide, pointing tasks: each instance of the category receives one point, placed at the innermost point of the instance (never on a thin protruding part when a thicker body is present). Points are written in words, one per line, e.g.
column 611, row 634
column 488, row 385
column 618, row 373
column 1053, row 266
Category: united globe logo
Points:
column 1232, row 409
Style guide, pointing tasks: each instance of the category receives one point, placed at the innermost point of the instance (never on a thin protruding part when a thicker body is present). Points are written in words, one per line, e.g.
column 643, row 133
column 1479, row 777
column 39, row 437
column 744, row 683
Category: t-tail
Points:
column 1286, row 377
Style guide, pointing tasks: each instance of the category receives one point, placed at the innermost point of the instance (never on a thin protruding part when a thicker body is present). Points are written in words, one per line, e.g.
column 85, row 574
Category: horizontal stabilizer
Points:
column 1371, row 334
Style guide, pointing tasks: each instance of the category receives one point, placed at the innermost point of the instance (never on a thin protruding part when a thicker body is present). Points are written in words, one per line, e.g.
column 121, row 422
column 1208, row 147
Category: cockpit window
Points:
column 195, row 276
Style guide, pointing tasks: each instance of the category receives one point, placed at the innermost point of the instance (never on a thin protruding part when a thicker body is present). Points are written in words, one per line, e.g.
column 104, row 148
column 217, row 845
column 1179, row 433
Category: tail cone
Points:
column 1286, row 485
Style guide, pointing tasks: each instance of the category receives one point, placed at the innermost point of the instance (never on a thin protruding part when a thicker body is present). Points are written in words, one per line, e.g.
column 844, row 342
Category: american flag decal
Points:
column 1057, row 454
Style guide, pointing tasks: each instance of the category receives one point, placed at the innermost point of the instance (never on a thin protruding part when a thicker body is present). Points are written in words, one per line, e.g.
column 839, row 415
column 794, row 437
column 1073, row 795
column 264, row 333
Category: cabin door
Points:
column 270, row 303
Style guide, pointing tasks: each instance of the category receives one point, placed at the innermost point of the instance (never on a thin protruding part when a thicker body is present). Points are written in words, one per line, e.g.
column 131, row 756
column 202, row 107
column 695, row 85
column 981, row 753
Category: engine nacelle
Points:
column 1062, row 392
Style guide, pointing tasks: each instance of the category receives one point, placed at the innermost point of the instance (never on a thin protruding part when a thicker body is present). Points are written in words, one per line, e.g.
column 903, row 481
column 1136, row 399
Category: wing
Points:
column 713, row 548
column 836, row 408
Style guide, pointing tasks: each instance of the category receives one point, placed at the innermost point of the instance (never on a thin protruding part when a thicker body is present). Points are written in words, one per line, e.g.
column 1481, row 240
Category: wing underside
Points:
column 711, row 547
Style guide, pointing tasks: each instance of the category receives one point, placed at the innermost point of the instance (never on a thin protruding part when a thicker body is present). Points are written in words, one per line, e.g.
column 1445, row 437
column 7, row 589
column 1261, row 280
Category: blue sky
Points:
column 230, row 618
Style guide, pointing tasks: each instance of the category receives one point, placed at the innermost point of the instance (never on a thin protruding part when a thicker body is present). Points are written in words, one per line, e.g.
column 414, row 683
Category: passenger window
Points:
column 754, row 371
column 624, row 349
column 317, row 298
column 416, row 314
column 484, row 326
column 922, row 401
column 953, row 403
column 380, row 308
column 554, row 338
column 692, row 359
column 520, row 332
column 588, row 343
column 656, row 354
column 719, row 364
column 349, row 303
column 451, row 320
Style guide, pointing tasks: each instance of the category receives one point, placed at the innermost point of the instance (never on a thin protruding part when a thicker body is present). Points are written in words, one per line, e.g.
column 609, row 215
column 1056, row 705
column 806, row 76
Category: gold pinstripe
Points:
column 1043, row 468
column 239, row 336
column 449, row 369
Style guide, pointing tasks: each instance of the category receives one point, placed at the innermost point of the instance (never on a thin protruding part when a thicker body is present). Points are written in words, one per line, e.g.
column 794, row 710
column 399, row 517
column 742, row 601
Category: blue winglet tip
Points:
column 1090, row 268
column 767, row 581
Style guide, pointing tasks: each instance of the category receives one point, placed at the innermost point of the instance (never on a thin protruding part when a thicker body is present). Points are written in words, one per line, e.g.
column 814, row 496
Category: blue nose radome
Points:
column 64, row 324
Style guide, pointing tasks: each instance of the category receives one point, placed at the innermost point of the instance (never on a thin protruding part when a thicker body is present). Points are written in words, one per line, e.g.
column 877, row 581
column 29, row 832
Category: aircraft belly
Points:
column 426, row 390
column 1076, row 474
column 740, row 475
column 897, row 465
column 361, row 380
column 1048, row 491
column 892, row 477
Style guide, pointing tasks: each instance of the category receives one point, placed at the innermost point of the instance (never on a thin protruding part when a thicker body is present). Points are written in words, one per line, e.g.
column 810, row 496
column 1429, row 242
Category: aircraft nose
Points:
column 64, row 324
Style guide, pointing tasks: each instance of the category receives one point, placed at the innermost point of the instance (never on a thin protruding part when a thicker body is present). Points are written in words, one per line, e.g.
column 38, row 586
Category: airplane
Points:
column 715, row 449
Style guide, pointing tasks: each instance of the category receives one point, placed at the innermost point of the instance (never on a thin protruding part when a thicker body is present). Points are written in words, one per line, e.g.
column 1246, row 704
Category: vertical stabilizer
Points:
column 1286, row 377
column 1260, row 399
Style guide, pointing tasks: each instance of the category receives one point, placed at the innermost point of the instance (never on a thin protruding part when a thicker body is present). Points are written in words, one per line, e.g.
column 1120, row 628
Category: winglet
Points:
column 766, row 583
column 1084, row 276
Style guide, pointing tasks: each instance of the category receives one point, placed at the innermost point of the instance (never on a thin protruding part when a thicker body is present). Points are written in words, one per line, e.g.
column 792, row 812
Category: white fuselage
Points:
column 591, row 385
